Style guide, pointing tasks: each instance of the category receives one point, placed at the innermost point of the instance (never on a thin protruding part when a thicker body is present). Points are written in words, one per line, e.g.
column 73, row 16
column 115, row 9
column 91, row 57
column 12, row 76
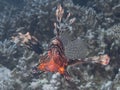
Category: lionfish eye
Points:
column 57, row 52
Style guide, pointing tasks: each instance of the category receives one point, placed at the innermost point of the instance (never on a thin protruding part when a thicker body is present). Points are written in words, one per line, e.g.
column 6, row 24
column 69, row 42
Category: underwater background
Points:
column 97, row 24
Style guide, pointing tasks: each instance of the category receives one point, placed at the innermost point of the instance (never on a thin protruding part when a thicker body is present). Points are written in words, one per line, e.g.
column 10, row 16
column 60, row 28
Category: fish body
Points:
column 55, row 59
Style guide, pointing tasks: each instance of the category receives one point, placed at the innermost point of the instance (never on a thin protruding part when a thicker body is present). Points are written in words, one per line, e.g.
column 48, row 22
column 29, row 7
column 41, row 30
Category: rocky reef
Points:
column 97, row 25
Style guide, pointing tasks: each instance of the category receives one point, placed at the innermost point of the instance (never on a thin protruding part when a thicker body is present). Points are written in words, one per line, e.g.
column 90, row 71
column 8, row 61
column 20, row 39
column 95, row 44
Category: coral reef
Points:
column 6, row 83
column 8, row 51
column 97, row 24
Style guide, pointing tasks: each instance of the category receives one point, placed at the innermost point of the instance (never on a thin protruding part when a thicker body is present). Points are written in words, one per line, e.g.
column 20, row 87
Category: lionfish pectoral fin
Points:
column 101, row 59
column 74, row 62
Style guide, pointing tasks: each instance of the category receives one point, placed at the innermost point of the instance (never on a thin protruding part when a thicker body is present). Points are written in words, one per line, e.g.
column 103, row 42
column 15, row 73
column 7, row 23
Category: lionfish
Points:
column 56, row 59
